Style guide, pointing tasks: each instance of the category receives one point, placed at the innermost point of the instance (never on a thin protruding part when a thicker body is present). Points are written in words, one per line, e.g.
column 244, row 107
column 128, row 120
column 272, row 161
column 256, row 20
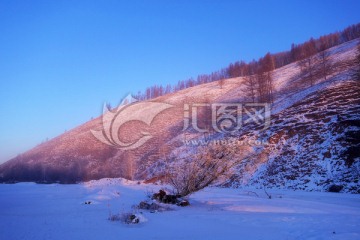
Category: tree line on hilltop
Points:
column 312, row 57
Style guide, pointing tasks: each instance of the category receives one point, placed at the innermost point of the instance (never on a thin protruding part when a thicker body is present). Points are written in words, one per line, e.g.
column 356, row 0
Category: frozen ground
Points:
column 32, row 211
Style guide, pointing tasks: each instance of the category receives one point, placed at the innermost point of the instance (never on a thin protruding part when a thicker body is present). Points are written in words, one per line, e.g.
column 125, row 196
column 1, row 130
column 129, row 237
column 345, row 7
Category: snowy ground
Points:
column 32, row 211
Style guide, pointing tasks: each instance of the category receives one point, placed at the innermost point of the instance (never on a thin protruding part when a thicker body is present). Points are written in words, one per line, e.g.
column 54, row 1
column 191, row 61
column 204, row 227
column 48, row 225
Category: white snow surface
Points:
column 54, row 211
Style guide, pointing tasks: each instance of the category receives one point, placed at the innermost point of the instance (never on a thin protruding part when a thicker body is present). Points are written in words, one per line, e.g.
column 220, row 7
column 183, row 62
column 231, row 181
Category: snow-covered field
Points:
column 54, row 211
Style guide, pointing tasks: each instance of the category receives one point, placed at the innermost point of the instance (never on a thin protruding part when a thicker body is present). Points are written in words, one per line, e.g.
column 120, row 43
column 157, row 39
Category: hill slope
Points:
column 312, row 144
column 312, row 138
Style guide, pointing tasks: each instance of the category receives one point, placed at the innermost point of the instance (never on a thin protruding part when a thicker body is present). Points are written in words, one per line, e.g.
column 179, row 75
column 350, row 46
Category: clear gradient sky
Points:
column 61, row 60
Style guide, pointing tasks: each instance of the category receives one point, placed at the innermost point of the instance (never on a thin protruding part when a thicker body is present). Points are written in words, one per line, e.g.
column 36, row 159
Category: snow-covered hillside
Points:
column 313, row 137
column 311, row 145
column 55, row 211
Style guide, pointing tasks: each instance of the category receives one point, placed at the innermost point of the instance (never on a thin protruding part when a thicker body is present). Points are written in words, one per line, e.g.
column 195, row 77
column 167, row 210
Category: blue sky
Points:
column 61, row 60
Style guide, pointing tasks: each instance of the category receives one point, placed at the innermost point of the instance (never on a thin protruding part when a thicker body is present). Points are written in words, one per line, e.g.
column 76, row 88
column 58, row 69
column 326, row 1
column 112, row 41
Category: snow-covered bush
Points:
column 128, row 218
column 201, row 170
column 164, row 197
column 153, row 206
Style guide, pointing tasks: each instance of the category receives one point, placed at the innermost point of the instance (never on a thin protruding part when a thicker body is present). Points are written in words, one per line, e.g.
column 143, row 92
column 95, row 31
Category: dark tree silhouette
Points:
column 250, row 87
column 326, row 66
